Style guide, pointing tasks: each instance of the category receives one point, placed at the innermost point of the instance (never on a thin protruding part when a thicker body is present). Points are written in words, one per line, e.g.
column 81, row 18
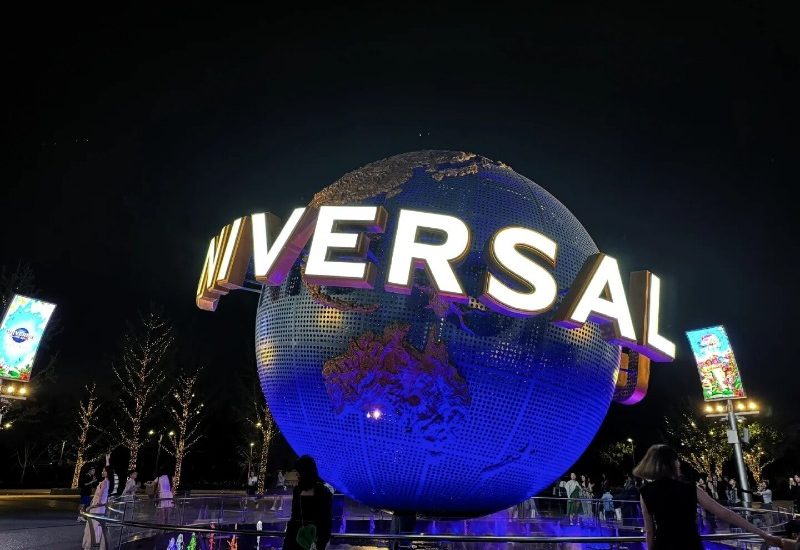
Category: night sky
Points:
column 133, row 136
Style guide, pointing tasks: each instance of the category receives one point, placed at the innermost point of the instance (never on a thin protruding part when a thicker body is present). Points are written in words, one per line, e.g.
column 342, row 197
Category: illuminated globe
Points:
column 409, row 403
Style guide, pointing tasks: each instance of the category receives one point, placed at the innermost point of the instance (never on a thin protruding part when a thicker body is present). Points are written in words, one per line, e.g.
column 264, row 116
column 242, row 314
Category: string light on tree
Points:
column 185, row 411
column 266, row 428
column 762, row 450
column 86, row 415
column 699, row 442
column 140, row 376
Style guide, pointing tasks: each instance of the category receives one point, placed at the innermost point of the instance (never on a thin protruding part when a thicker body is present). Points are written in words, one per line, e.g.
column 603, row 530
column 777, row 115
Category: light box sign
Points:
column 20, row 335
column 719, row 373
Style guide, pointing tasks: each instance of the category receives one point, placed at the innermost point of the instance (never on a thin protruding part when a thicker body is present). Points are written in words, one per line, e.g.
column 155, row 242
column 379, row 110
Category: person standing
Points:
column 280, row 489
column 587, row 494
column 130, row 484
column 766, row 495
column 88, row 485
column 280, row 482
column 713, row 487
column 628, row 499
column 113, row 481
column 93, row 532
column 573, row 489
column 163, row 495
column 794, row 491
column 608, row 505
column 312, row 504
column 252, row 481
column 732, row 493
column 669, row 505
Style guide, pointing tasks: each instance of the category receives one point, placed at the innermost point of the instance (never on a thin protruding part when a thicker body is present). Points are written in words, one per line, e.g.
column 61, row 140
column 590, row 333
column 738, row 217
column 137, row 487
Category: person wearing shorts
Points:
column 88, row 483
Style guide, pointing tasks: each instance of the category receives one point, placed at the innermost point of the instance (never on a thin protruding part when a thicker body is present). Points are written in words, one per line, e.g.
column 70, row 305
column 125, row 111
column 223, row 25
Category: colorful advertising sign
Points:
column 20, row 335
column 719, row 373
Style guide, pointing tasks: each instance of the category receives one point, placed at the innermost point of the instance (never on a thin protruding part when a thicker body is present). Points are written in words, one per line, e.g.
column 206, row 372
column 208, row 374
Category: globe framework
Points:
column 409, row 403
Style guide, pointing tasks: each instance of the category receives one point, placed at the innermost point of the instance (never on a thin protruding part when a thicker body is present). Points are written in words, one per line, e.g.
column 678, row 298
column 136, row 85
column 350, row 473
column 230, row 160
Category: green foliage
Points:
column 700, row 442
column 763, row 449
column 616, row 453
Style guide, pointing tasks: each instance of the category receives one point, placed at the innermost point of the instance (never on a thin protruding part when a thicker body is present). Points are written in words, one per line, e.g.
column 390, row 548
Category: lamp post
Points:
column 633, row 452
column 158, row 452
column 250, row 462
column 732, row 414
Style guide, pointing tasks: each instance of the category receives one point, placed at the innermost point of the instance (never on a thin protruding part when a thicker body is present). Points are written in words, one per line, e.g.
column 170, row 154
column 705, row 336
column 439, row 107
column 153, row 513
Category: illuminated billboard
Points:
column 20, row 335
column 719, row 373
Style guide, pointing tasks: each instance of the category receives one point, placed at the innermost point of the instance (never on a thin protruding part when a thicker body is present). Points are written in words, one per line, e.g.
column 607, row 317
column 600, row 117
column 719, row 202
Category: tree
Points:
column 265, row 425
column 762, row 450
column 185, row 411
column 86, row 422
column 699, row 442
column 140, row 375
column 615, row 454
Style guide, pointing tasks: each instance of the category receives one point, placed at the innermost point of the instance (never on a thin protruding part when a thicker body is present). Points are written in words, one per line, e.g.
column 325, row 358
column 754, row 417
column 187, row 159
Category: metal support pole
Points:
column 158, row 455
column 737, row 451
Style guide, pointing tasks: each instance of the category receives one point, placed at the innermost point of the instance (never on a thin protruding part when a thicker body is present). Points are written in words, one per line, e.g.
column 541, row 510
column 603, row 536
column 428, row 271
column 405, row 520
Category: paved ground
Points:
column 39, row 521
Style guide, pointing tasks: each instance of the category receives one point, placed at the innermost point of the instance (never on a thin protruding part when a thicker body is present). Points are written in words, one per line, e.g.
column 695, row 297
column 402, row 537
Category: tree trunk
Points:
column 76, row 475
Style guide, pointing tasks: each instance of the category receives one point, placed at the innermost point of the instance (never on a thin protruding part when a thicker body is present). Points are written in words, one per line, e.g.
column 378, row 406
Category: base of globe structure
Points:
column 411, row 403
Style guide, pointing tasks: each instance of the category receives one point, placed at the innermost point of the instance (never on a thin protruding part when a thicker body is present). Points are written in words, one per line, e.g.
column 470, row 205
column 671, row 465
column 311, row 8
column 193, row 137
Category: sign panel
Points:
column 719, row 373
column 20, row 335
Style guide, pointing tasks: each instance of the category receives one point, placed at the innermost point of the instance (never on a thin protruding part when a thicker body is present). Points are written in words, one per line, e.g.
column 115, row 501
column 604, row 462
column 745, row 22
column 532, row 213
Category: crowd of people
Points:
column 657, row 496
column 98, row 484
column 312, row 499
column 587, row 499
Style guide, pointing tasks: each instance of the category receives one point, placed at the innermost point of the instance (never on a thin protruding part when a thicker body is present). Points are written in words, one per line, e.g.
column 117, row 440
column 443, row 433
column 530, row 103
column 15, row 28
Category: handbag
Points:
column 307, row 533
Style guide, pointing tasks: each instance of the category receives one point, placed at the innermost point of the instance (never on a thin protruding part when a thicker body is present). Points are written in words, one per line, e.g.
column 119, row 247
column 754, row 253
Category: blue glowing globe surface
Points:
column 412, row 404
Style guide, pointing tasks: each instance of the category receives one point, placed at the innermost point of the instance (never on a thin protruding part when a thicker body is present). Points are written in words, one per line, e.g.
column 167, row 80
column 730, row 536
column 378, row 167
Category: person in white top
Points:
column 573, row 494
column 281, row 482
column 130, row 484
column 93, row 532
column 163, row 496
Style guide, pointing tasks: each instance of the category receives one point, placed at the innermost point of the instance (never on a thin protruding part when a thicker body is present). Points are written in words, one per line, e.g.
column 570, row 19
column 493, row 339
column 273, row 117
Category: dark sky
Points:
column 133, row 136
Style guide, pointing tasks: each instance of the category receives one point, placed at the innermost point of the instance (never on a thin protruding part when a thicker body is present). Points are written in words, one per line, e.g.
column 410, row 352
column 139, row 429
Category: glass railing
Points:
column 217, row 522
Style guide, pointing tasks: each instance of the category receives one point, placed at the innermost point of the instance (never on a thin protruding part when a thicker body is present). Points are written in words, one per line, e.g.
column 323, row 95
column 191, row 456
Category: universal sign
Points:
column 338, row 257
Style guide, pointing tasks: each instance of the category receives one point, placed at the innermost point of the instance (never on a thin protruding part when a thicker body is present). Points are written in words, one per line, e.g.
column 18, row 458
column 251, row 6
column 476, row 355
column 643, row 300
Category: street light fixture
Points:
column 158, row 452
column 250, row 462
column 735, row 413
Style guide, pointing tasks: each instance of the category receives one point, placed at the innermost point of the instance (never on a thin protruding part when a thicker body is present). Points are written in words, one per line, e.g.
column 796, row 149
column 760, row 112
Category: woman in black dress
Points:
column 669, row 506
column 312, row 503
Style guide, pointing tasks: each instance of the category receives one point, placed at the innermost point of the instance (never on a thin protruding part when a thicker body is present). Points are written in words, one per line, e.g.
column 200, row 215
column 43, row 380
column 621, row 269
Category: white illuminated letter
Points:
column 272, row 259
column 208, row 292
column 322, row 271
column 236, row 257
column 645, row 290
column 597, row 295
column 436, row 259
column 504, row 254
